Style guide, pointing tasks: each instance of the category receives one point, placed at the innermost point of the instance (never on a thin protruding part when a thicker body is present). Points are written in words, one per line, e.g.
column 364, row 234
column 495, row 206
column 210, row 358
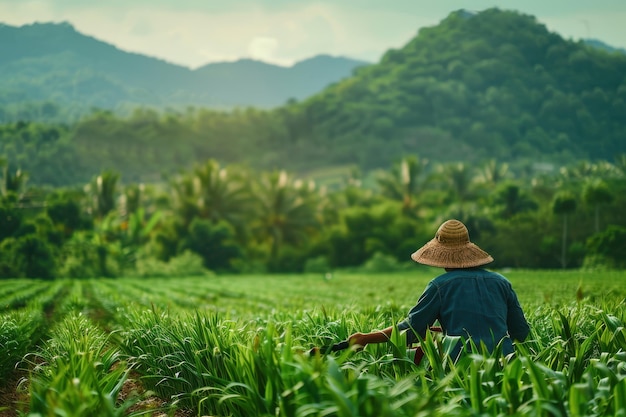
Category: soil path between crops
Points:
column 105, row 319
column 12, row 398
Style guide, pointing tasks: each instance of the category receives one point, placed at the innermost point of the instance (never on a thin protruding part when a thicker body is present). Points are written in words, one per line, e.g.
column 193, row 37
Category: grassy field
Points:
column 238, row 346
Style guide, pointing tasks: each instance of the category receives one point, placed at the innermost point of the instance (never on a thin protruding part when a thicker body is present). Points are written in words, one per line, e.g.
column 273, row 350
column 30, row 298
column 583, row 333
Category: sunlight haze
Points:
column 193, row 33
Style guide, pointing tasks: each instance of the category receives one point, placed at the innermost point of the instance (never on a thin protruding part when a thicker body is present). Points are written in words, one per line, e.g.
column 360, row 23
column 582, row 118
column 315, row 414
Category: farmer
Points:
column 467, row 300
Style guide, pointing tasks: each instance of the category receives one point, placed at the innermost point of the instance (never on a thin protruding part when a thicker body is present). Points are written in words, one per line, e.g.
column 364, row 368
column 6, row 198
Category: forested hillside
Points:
column 496, row 84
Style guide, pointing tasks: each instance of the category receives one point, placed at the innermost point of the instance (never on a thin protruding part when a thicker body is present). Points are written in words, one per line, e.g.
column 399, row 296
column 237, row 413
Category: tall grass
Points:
column 19, row 330
column 573, row 364
column 77, row 373
column 244, row 348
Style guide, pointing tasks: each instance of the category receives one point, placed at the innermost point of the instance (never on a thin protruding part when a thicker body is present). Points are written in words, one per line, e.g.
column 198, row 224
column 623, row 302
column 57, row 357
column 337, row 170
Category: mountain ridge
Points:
column 497, row 86
column 31, row 55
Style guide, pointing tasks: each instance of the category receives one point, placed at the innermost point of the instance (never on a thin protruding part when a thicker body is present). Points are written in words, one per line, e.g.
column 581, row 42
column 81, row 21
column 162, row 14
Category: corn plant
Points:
column 20, row 295
column 19, row 331
column 238, row 346
column 77, row 373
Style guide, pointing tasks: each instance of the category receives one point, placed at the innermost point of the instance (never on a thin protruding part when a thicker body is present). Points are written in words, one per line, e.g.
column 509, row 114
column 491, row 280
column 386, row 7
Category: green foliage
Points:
column 201, row 363
column 65, row 211
column 384, row 263
column 214, row 243
column 512, row 200
column 103, row 192
column 239, row 346
column 319, row 264
column 43, row 151
column 79, row 372
column 364, row 231
column 287, row 213
column 187, row 264
column 237, row 219
column 84, row 256
column 607, row 248
column 18, row 332
column 27, row 256
column 564, row 203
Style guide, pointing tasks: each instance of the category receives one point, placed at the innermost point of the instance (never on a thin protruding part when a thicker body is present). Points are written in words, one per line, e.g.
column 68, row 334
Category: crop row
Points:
column 573, row 364
column 239, row 346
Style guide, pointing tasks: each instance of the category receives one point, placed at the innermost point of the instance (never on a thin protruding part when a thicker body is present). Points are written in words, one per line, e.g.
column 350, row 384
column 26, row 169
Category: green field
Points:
column 238, row 346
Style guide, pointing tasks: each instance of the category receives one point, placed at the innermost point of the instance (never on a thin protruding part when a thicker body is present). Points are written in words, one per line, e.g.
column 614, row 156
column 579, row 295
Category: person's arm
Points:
column 516, row 322
column 377, row 336
column 421, row 316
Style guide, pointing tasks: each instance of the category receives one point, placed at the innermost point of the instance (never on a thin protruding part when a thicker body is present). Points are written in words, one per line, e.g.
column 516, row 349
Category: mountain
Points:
column 491, row 85
column 596, row 43
column 494, row 84
column 54, row 62
column 260, row 84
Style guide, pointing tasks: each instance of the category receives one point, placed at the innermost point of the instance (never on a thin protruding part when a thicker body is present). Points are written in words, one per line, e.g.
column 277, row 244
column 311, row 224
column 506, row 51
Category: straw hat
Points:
column 451, row 248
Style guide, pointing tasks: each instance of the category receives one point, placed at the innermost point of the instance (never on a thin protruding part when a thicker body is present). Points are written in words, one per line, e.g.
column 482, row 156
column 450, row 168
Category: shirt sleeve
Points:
column 516, row 322
column 423, row 314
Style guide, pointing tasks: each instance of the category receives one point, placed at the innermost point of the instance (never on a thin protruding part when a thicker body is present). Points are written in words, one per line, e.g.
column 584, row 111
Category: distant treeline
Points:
column 229, row 219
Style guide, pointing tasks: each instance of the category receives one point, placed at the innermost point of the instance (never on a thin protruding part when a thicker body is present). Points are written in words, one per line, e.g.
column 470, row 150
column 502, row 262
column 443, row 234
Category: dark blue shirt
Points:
column 471, row 303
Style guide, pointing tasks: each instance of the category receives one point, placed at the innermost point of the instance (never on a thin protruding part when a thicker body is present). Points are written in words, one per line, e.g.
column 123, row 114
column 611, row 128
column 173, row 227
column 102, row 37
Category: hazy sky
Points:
column 195, row 32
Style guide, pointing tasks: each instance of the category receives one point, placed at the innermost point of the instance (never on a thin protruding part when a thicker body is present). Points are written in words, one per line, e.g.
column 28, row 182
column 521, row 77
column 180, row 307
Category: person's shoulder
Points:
column 438, row 280
column 496, row 276
column 463, row 273
column 467, row 272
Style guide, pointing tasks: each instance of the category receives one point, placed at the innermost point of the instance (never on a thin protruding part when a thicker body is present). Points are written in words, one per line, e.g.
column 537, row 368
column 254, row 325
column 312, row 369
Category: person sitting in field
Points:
column 467, row 300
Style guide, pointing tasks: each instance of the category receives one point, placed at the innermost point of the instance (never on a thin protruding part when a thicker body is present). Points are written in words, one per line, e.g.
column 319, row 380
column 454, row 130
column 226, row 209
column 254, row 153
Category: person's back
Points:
column 468, row 301
column 473, row 303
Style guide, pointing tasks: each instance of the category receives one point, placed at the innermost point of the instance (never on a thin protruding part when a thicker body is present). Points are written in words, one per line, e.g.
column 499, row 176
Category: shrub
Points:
column 186, row 264
column 383, row 263
column 85, row 257
column 609, row 245
column 215, row 243
column 28, row 256
column 318, row 264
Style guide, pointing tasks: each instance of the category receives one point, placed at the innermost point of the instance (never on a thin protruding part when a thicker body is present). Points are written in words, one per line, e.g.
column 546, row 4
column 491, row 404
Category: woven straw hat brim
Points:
column 468, row 255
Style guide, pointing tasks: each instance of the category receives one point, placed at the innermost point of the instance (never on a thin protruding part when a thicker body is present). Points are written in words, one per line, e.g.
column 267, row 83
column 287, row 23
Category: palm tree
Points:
column 404, row 182
column 513, row 200
column 585, row 169
column 287, row 211
column 131, row 199
column 351, row 193
column 222, row 194
column 620, row 164
column 596, row 193
column 493, row 173
column 103, row 192
column 12, row 181
column 214, row 193
column 183, row 199
column 564, row 203
column 459, row 180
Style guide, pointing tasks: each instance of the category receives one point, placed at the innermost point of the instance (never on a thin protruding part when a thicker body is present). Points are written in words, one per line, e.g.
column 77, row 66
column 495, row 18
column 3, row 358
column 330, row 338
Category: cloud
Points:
column 194, row 37
column 263, row 48
column 142, row 28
